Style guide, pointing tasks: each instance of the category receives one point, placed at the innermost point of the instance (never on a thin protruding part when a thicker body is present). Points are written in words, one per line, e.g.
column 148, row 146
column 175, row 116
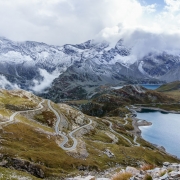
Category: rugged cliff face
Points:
column 28, row 64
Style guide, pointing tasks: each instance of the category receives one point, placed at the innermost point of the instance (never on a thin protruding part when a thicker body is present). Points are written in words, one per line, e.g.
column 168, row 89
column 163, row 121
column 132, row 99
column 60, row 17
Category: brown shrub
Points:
column 148, row 177
column 147, row 167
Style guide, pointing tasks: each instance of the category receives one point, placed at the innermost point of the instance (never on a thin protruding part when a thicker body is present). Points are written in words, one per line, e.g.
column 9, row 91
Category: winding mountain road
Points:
column 11, row 118
column 70, row 134
column 125, row 119
column 135, row 137
column 110, row 126
column 135, row 142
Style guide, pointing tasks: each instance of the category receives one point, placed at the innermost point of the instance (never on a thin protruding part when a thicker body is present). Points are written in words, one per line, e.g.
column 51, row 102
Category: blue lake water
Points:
column 151, row 86
column 147, row 86
column 164, row 131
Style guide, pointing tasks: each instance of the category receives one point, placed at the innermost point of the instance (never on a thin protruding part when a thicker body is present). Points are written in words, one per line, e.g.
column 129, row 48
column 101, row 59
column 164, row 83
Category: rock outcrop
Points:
column 22, row 165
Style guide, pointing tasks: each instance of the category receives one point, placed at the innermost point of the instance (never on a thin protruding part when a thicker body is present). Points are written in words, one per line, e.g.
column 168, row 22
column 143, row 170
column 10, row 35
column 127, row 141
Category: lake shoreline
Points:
column 137, row 122
column 139, row 109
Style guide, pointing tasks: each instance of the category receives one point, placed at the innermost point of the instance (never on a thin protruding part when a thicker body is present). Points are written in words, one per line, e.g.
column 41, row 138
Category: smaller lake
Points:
column 147, row 86
column 151, row 86
column 164, row 131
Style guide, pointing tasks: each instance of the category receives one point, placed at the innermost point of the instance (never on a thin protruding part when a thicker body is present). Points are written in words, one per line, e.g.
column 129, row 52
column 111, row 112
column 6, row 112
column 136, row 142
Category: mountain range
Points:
column 74, row 71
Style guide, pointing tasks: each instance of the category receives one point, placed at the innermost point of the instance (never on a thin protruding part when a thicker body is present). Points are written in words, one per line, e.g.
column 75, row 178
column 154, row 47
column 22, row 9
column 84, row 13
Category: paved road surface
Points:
column 70, row 134
column 110, row 126
column 14, row 114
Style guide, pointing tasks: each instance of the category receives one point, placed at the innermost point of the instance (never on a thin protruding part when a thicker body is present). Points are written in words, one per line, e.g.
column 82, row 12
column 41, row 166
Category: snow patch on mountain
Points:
column 128, row 60
column 14, row 57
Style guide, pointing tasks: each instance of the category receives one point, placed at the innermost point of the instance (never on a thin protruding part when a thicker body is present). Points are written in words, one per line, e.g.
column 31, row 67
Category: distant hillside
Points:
column 169, row 87
column 112, row 102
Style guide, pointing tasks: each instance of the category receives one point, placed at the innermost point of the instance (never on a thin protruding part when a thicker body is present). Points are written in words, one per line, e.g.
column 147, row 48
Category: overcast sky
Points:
column 74, row 21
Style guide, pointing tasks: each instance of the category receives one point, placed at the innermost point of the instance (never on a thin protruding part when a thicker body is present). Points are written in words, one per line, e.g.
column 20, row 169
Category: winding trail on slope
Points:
column 125, row 119
column 70, row 134
column 14, row 114
column 110, row 126
column 135, row 142
column 135, row 136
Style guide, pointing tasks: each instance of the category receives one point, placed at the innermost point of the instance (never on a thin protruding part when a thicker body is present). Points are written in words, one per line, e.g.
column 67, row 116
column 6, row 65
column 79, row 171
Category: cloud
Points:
column 40, row 85
column 74, row 21
column 65, row 21
column 172, row 5
column 141, row 40
column 152, row 31
column 5, row 84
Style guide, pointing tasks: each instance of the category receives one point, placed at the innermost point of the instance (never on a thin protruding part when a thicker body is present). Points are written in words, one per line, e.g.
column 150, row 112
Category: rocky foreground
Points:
column 169, row 171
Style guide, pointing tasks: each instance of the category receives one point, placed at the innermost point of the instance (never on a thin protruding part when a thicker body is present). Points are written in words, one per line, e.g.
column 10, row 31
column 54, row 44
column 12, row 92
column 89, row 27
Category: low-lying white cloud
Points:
column 5, row 84
column 75, row 21
column 141, row 40
column 48, row 78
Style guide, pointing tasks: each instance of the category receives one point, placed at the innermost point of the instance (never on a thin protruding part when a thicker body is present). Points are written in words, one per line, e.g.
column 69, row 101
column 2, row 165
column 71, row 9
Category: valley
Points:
column 50, row 141
column 71, row 119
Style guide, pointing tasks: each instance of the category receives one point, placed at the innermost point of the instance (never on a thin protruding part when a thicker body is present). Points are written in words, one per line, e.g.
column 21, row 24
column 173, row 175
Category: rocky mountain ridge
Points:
column 83, row 65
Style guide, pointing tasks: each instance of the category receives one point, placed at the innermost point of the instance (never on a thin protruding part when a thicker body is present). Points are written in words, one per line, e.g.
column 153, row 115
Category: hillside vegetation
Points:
column 169, row 87
column 171, row 90
column 113, row 102
column 29, row 142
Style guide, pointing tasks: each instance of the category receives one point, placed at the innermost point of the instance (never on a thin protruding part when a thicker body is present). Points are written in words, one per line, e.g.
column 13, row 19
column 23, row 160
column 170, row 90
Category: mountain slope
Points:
column 113, row 102
column 169, row 87
column 32, row 139
column 33, row 65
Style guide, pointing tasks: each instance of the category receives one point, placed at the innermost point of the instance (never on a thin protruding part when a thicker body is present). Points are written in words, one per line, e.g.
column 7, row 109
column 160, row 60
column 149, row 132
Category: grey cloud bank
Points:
column 74, row 21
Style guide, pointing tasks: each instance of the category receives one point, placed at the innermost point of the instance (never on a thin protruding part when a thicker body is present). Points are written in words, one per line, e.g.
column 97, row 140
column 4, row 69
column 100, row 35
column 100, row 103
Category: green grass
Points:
column 167, row 107
column 124, row 155
column 35, row 141
column 169, row 86
column 33, row 124
column 5, row 112
column 129, row 126
column 46, row 117
column 173, row 94
column 7, row 98
column 99, row 135
column 9, row 174
column 77, row 102
column 22, row 140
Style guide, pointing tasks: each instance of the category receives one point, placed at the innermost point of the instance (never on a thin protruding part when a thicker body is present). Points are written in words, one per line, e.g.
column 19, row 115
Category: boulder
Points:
column 108, row 153
column 132, row 170
column 164, row 177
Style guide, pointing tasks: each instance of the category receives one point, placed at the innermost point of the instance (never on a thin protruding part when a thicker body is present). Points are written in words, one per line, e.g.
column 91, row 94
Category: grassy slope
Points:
column 6, row 174
column 35, row 142
column 113, row 101
column 169, row 87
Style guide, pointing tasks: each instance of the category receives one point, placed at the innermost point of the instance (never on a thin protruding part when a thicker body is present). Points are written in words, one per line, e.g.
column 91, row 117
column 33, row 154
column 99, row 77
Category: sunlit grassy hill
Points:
column 171, row 89
column 169, row 86
column 30, row 143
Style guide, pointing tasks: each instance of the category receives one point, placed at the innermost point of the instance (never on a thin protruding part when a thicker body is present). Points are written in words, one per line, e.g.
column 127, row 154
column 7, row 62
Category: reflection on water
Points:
column 165, row 130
